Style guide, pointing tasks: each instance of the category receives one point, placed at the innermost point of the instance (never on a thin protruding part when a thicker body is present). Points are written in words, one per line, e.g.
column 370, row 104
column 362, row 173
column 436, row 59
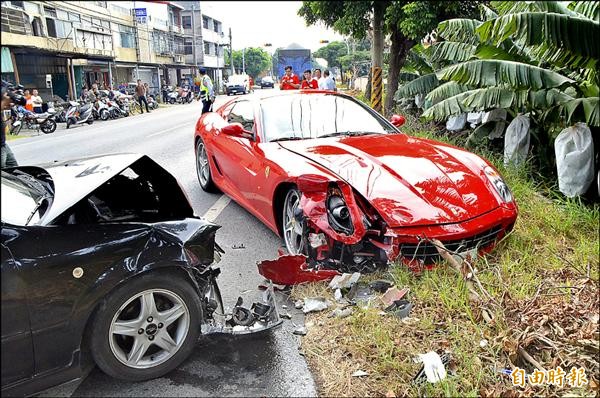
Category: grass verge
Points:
column 543, row 277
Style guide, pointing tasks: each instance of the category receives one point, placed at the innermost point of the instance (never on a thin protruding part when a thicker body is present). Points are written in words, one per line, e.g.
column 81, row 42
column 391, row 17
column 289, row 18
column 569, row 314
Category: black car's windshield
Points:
column 317, row 116
column 24, row 201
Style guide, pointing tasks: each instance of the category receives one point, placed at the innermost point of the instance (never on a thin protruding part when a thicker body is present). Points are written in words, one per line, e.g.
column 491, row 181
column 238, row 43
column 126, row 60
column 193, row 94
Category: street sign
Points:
column 140, row 12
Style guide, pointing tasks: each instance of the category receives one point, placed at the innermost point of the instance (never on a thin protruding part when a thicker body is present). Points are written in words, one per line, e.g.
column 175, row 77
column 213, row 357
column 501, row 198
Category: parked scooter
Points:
column 118, row 107
column 33, row 121
column 152, row 104
column 173, row 97
column 79, row 114
column 100, row 109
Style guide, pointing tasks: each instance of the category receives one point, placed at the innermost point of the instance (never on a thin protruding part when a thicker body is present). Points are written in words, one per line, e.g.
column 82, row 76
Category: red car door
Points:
column 237, row 157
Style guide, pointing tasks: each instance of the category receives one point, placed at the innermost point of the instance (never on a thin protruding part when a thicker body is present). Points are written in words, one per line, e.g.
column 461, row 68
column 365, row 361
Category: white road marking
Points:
column 217, row 208
column 164, row 131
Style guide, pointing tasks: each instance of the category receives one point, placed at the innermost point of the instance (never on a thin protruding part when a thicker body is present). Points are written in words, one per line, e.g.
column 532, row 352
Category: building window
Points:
column 36, row 25
column 62, row 15
column 188, row 46
column 206, row 48
column 205, row 22
column 217, row 26
column 100, row 4
column 18, row 4
column 127, row 34
column 50, row 12
column 58, row 29
column 74, row 17
column 186, row 21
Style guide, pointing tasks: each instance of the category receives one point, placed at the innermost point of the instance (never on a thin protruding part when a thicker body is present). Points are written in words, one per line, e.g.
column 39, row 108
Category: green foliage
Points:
column 420, row 85
column 257, row 61
column 332, row 53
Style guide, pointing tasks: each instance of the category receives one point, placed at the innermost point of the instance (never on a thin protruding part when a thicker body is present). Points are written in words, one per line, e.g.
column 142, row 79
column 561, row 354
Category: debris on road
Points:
column 361, row 295
column 238, row 246
column 393, row 294
column 292, row 270
column 433, row 367
column 344, row 281
column 300, row 331
column 285, row 315
column 341, row 312
column 381, row 285
column 315, row 304
column 337, row 295
column 400, row 308
column 298, row 304
column 359, row 373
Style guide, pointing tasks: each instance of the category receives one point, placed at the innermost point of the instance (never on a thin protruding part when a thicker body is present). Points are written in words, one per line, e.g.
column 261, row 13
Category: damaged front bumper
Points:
column 261, row 316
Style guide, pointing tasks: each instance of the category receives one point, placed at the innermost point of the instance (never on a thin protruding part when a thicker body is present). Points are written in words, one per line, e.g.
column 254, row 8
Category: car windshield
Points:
column 303, row 116
column 24, row 201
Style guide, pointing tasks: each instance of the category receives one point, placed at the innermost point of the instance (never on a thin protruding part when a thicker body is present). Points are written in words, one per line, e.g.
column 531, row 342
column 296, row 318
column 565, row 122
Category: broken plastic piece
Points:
column 317, row 240
column 381, row 285
column 361, row 294
column 298, row 304
column 344, row 281
column 433, row 367
column 240, row 246
column 400, row 308
column 341, row 313
column 301, row 331
column 292, row 270
column 359, row 373
column 337, row 295
column 393, row 294
column 315, row 304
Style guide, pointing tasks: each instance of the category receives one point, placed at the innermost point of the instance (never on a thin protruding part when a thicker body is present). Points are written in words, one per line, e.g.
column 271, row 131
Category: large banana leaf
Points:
column 417, row 61
column 445, row 91
column 511, row 7
column 459, row 30
column 406, row 76
column 487, row 13
column 590, row 9
column 561, row 40
column 583, row 108
column 499, row 97
column 448, row 107
column 487, row 73
column 452, row 51
column 421, row 85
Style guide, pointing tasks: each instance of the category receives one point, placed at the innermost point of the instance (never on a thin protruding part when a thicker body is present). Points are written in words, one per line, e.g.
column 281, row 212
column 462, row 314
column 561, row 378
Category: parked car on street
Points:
column 237, row 84
column 344, row 187
column 267, row 81
column 104, row 262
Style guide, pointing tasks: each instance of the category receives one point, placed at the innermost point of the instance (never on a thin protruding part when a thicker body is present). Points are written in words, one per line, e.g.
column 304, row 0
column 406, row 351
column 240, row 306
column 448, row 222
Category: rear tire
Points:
column 48, row 127
column 115, row 326
column 104, row 114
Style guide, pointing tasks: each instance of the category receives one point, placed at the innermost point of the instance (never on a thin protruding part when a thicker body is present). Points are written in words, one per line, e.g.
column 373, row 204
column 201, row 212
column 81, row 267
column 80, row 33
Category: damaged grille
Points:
column 427, row 252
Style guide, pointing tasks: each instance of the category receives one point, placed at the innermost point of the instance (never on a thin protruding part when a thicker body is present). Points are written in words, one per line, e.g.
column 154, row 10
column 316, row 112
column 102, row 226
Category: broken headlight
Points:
column 338, row 213
column 498, row 183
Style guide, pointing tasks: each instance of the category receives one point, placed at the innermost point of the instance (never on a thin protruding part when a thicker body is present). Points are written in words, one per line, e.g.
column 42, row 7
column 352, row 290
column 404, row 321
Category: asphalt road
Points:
column 262, row 365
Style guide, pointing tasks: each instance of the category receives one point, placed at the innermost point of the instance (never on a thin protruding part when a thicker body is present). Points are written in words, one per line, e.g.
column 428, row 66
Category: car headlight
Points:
column 338, row 213
column 499, row 184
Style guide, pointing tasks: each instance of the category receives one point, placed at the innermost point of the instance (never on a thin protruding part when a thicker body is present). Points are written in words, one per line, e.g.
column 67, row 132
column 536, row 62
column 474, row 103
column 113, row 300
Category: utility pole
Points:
column 231, row 53
column 377, row 82
column 137, row 39
column 243, row 60
column 194, row 36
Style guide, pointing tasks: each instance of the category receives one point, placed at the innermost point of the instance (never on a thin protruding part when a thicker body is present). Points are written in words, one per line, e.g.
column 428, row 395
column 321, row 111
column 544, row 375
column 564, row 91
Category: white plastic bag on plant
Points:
column 456, row 123
column 574, row 150
column 419, row 98
column 474, row 118
column 494, row 115
column 516, row 141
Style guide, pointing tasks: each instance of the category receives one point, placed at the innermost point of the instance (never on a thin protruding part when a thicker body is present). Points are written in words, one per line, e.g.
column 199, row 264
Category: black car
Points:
column 267, row 81
column 104, row 262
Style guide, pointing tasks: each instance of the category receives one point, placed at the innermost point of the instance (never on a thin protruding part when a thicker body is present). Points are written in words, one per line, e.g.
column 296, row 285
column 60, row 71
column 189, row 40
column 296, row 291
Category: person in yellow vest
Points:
column 207, row 92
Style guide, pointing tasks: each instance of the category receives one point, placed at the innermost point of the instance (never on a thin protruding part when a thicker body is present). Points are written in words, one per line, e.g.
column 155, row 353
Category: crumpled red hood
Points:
column 409, row 181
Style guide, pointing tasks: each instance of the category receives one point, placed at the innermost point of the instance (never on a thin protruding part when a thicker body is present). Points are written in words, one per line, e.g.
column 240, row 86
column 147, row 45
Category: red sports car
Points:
column 344, row 187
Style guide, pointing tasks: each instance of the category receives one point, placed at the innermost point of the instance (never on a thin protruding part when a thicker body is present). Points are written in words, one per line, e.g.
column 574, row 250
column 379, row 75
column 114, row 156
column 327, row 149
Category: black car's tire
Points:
column 203, row 168
column 161, row 286
column 48, row 127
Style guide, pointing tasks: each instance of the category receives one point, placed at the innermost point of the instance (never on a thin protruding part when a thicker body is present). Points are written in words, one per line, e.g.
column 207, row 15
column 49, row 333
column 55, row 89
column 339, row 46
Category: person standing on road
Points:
column 29, row 103
column 289, row 81
column 140, row 90
column 207, row 91
column 7, row 158
column 309, row 82
column 319, row 77
column 37, row 101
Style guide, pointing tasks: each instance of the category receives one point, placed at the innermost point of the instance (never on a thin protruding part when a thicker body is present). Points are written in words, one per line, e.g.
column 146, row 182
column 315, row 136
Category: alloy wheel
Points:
column 202, row 167
column 149, row 328
column 292, row 228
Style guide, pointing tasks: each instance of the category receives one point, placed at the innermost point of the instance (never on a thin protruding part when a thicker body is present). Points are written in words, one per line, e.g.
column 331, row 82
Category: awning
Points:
column 7, row 65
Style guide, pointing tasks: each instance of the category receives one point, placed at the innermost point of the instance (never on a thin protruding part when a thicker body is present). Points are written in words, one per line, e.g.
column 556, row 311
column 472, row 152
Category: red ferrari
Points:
column 344, row 187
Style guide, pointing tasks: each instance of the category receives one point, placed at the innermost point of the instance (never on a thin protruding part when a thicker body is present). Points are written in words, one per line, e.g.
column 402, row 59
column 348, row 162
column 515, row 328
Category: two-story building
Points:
column 79, row 43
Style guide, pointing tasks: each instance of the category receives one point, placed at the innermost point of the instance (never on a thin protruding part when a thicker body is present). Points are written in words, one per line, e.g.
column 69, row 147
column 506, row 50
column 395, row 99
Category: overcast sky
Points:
column 254, row 23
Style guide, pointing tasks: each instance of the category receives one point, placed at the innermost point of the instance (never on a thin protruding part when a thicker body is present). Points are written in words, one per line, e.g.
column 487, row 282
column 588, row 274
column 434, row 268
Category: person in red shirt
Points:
column 309, row 81
column 289, row 81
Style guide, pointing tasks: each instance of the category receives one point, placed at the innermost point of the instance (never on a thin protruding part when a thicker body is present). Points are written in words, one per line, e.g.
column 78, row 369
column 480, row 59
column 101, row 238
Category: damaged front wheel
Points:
column 293, row 223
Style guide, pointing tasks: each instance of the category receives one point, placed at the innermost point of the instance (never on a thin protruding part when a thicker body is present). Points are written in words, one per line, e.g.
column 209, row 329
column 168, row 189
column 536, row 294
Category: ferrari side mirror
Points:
column 236, row 130
column 397, row 120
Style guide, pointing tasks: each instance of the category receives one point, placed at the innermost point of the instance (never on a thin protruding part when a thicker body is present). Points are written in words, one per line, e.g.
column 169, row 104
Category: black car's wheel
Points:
column 203, row 168
column 147, row 327
column 48, row 127
column 291, row 227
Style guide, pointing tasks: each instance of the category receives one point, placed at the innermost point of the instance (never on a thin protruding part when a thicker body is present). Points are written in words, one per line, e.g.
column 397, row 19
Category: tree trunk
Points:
column 398, row 51
column 368, row 89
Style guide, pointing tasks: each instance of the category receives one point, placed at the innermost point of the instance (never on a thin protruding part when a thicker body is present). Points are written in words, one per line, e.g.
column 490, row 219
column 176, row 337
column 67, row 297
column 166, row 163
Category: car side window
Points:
column 242, row 113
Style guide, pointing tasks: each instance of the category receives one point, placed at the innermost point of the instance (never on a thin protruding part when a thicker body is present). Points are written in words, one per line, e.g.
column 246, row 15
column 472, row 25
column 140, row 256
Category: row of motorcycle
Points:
column 107, row 105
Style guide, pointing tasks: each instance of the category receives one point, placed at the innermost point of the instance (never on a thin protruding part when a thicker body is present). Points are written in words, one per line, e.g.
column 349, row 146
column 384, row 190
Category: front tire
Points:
column 104, row 115
column 293, row 230
column 48, row 127
column 165, row 308
column 203, row 168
